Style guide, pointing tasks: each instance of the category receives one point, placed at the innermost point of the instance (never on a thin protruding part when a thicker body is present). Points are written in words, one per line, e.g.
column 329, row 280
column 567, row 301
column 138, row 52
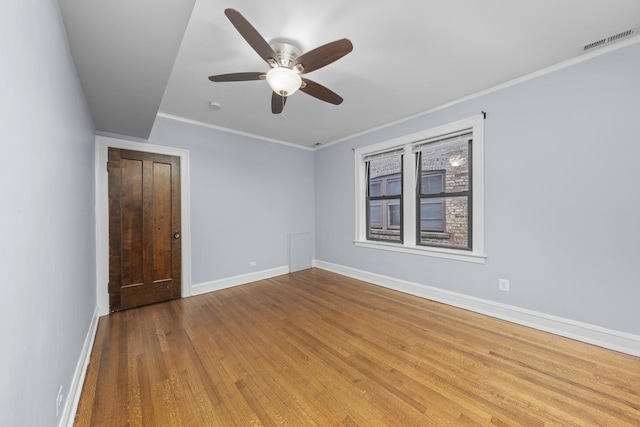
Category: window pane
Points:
column 375, row 215
column 387, row 170
column 453, row 159
column 432, row 215
column 431, row 224
column 394, row 187
column 375, row 189
column 385, row 166
column 384, row 220
column 393, row 217
column 432, row 210
column 432, row 182
column 455, row 233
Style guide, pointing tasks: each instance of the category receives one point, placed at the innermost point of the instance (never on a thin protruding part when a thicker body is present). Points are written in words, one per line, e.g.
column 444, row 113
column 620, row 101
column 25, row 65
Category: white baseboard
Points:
column 216, row 285
column 592, row 334
column 75, row 389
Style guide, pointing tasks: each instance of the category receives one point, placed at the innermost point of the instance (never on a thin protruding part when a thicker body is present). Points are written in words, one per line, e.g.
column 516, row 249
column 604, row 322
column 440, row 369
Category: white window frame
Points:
column 476, row 254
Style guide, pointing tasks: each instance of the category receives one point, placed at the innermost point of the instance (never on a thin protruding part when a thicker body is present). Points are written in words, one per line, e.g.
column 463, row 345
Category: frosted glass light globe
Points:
column 284, row 81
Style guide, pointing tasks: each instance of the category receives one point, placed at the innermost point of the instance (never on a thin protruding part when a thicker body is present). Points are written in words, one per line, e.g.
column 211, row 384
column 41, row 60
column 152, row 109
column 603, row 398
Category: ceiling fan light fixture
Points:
column 284, row 81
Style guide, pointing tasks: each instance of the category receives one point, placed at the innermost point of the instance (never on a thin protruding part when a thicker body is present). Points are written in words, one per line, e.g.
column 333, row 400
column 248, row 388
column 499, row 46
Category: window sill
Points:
column 453, row 254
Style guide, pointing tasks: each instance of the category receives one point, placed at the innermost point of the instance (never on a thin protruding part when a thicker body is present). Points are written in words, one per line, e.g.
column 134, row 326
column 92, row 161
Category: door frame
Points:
column 102, row 212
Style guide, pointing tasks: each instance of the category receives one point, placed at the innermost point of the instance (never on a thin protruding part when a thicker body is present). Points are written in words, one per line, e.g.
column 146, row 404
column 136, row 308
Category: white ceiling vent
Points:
column 634, row 31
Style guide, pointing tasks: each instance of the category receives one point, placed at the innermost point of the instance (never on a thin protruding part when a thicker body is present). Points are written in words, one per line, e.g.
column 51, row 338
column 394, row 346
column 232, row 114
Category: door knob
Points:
column 176, row 235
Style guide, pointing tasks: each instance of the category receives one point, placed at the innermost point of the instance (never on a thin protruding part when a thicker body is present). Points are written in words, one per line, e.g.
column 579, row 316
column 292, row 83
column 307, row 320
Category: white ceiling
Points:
column 409, row 56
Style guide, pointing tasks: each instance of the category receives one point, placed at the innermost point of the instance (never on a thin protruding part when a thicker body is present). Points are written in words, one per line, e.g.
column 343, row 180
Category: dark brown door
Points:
column 144, row 228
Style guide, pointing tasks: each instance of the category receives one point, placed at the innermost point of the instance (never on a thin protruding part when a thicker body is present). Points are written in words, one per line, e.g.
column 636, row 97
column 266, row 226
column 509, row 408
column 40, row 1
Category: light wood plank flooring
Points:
column 314, row 348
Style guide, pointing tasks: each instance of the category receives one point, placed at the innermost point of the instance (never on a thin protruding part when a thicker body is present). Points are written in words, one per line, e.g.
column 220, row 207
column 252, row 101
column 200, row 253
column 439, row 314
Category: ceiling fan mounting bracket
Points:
column 286, row 52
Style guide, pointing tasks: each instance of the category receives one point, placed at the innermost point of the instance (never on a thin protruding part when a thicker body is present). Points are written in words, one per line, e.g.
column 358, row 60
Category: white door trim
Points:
column 102, row 212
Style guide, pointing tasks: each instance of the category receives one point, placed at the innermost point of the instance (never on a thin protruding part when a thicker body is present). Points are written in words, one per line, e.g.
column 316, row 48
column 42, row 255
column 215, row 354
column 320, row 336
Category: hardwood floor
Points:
column 315, row 348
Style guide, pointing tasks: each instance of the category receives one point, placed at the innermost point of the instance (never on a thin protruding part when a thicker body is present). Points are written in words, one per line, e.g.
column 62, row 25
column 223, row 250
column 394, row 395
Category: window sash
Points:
column 444, row 195
column 383, row 221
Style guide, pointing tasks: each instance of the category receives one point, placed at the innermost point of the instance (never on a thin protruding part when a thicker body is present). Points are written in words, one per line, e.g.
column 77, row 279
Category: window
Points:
column 384, row 197
column 444, row 191
column 423, row 193
column 432, row 213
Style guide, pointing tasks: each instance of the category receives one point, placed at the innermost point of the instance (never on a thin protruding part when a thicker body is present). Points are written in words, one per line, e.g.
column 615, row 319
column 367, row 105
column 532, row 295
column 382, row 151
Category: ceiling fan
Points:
column 287, row 64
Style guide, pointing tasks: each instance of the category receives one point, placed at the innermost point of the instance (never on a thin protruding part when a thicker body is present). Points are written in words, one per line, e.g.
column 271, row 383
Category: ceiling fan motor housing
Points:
column 287, row 53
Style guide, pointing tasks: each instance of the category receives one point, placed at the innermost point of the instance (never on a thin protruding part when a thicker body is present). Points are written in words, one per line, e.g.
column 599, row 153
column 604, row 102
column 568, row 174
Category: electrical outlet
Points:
column 503, row 285
column 58, row 401
column 252, row 264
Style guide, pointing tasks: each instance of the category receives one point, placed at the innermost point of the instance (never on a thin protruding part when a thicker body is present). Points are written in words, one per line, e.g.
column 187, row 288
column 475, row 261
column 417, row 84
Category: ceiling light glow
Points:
column 284, row 81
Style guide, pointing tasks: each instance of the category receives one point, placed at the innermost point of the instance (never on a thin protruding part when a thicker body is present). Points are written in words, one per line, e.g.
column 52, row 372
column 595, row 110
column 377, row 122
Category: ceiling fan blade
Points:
column 323, row 55
column 322, row 93
column 251, row 35
column 277, row 103
column 237, row 77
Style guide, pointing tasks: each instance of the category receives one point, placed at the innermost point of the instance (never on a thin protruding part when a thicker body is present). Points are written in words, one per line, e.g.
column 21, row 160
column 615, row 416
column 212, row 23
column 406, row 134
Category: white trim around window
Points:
column 407, row 144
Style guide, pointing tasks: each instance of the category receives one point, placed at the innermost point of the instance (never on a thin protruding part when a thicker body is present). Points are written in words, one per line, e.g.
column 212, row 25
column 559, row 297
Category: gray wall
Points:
column 561, row 195
column 47, row 186
column 247, row 195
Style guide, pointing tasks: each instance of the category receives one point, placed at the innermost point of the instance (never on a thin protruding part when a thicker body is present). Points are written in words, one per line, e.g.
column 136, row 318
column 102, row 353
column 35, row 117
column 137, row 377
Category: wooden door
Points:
column 144, row 228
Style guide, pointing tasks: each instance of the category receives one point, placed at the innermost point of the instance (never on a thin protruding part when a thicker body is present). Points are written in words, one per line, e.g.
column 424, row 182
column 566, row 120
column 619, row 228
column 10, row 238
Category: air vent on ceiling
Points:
column 634, row 31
